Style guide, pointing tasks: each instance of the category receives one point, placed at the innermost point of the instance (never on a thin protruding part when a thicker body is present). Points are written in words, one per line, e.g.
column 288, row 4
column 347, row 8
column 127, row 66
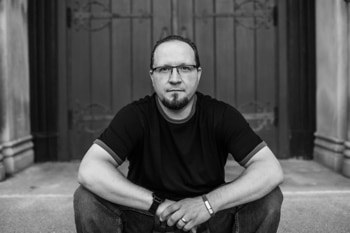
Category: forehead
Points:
column 174, row 53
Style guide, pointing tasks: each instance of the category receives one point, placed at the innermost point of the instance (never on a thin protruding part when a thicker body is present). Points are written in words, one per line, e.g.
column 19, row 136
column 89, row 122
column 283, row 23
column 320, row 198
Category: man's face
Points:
column 175, row 89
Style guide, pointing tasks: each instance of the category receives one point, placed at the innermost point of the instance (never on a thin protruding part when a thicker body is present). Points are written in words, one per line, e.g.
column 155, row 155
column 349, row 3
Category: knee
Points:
column 83, row 201
column 94, row 214
column 272, row 202
column 81, row 197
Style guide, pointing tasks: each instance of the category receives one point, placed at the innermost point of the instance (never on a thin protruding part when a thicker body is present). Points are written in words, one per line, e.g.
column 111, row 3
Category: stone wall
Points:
column 332, row 92
column 16, row 144
column 346, row 163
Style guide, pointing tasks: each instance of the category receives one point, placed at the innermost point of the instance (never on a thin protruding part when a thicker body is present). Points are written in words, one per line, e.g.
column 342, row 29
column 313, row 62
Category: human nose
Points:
column 174, row 76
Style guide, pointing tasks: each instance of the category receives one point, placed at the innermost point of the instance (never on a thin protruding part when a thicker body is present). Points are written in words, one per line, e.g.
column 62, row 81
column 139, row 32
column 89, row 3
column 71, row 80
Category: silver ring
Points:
column 184, row 220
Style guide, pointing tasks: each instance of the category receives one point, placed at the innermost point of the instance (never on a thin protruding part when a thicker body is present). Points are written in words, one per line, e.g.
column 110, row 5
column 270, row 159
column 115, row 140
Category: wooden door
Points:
column 110, row 42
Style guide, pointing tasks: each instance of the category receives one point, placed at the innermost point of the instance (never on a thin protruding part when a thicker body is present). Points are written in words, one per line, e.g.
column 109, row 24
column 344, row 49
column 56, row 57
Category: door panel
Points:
column 225, row 53
column 237, row 45
column 204, row 38
column 110, row 47
column 111, row 41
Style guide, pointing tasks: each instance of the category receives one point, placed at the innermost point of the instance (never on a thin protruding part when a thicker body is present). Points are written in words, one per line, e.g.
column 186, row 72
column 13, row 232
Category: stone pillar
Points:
column 15, row 138
column 332, row 82
column 346, row 163
column 2, row 167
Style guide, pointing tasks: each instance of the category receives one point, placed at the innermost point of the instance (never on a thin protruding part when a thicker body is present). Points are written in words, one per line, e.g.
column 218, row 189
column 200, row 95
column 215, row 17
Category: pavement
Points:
column 39, row 199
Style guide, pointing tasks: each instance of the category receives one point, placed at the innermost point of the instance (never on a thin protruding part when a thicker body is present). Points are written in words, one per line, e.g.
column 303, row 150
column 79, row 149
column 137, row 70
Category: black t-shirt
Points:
column 179, row 158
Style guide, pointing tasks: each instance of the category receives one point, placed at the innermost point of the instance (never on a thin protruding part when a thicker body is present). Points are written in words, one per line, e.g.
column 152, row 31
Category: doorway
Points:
column 109, row 45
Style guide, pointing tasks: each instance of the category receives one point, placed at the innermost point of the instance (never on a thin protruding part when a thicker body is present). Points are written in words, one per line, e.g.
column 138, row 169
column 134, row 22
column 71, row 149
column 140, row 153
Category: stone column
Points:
column 15, row 137
column 332, row 81
column 2, row 167
column 346, row 163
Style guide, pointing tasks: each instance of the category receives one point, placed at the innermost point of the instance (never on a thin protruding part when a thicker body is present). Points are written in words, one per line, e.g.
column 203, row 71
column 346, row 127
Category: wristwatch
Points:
column 156, row 202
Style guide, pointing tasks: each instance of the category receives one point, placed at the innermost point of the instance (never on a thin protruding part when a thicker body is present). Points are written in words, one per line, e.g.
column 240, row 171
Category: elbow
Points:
column 279, row 176
column 280, row 181
column 83, row 177
column 275, row 176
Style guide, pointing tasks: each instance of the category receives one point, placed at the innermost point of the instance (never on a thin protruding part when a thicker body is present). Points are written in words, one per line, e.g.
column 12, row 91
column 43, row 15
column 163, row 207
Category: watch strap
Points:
column 156, row 202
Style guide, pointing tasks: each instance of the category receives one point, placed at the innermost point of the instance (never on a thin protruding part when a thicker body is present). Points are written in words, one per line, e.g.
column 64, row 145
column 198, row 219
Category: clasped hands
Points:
column 187, row 213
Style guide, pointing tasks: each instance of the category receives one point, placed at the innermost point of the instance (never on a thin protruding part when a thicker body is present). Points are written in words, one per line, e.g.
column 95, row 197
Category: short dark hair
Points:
column 179, row 38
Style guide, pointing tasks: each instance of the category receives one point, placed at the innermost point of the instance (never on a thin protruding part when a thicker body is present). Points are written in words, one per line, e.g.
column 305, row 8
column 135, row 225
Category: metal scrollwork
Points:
column 164, row 33
column 82, row 15
column 92, row 118
column 259, row 116
column 250, row 14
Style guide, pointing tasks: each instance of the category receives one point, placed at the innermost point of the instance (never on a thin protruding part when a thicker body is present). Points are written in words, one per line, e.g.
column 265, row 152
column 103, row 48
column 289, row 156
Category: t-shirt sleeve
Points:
column 123, row 134
column 239, row 138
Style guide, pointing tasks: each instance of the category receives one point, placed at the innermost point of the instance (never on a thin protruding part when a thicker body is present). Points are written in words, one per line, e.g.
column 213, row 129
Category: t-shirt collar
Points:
column 193, row 110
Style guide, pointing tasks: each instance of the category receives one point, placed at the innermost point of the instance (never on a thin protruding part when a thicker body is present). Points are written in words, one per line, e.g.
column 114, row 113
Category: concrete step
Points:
column 39, row 199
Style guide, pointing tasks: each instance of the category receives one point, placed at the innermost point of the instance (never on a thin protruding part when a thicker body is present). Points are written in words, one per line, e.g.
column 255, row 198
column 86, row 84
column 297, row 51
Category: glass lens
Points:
column 185, row 68
column 181, row 69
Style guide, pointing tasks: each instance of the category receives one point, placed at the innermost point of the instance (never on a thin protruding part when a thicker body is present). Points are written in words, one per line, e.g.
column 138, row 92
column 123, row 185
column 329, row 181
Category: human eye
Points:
column 164, row 69
column 186, row 68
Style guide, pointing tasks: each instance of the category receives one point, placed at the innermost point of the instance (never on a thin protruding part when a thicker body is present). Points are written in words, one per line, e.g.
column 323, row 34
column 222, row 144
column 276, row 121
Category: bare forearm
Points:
column 255, row 182
column 104, row 179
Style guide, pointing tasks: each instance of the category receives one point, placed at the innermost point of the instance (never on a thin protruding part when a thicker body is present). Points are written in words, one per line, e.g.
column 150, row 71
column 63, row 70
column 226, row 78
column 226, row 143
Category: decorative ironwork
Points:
column 262, row 12
column 82, row 16
column 258, row 115
column 92, row 118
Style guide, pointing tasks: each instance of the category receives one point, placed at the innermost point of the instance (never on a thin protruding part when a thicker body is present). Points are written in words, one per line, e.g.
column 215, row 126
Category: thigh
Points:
column 262, row 215
column 136, row 221
column 94, row 214
column 222, row 221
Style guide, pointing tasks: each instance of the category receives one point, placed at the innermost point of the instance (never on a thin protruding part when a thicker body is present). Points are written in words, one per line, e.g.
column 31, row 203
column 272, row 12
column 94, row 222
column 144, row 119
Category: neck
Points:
column 180, row 114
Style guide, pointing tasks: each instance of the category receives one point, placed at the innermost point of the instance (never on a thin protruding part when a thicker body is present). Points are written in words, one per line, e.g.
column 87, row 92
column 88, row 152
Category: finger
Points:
column 175, row 218
column 180, row 224
column 190, row 227
column 169, row 211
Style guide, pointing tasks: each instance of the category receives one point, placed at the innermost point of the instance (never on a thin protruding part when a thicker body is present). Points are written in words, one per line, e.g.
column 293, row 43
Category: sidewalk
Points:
column 39, row 199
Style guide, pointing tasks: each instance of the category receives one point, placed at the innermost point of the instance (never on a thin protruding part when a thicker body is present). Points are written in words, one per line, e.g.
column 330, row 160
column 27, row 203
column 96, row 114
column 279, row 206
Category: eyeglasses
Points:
column 181, row 69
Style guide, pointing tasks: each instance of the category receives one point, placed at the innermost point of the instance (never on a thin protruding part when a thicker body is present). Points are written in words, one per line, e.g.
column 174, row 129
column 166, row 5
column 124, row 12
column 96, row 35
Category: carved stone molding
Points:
column 1, row 156
column 329, row 151
column 346, row 162
column 17, row 146
column 18, row 154
column 2, row 167
column 329, row 143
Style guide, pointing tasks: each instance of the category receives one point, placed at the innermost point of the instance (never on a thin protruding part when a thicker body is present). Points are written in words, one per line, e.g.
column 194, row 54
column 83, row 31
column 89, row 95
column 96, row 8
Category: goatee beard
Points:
column 175, row 103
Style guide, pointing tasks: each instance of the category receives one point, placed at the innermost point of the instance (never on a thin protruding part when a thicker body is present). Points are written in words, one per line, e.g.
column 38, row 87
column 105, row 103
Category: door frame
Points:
column 287, row 62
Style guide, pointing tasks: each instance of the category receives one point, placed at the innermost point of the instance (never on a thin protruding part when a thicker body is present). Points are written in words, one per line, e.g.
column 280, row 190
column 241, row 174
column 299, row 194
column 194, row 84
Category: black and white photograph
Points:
column 174, row 116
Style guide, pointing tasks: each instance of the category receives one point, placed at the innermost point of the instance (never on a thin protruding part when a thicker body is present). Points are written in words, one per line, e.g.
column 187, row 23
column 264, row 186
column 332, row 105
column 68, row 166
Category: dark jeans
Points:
column 94, row 214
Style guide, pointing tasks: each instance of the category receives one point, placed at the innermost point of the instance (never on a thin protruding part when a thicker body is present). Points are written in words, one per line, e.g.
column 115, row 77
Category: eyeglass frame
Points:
column 176, row 67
